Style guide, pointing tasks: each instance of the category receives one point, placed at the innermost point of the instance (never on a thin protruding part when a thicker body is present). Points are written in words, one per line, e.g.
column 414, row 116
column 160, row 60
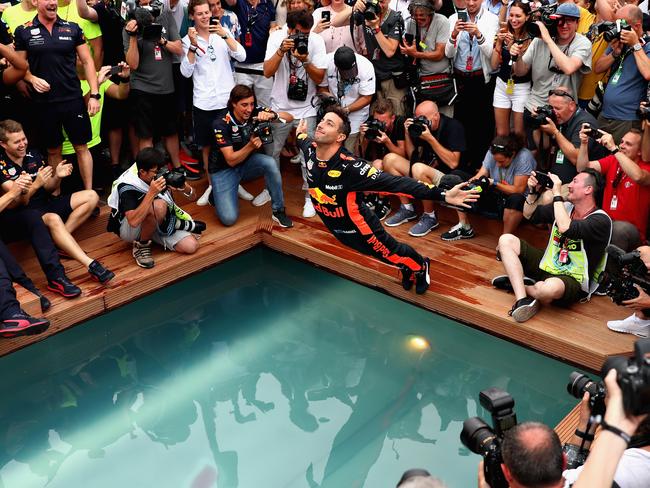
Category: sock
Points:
column 465, row 225
column 431, row 214
column 408, row 206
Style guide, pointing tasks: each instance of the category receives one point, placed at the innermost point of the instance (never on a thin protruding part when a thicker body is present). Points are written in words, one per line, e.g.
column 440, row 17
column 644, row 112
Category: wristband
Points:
column 615, row 150
column 558, row 198
column 481, row 39
column 224, row 37
column 377, row 30
column 615, row 430
column 164, row 42
column 132, row 33
column 193, row 49
column 280, row 53
column 584, row 435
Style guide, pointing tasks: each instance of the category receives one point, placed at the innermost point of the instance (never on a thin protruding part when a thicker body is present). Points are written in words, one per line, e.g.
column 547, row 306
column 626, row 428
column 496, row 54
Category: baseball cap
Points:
column 346, row 62
column 568, row 9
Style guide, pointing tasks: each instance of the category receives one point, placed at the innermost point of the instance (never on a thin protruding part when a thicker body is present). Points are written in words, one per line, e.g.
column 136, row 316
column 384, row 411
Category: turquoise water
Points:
column 262, row 372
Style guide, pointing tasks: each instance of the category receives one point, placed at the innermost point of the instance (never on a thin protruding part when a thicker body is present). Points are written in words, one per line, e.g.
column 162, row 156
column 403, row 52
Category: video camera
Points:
column 300, row 42
column 539, row 118
column 479, row 438
column 416, row 129
column 374, row 127
column 145, row 17
column 612, row 30
column 545, row 14
column 373, row 10
column 631, row 270
column 174, row 178
column 262, row 129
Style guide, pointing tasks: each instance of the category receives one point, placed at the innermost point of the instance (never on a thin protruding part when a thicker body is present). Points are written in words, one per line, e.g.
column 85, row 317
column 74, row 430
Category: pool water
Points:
column 261, row 372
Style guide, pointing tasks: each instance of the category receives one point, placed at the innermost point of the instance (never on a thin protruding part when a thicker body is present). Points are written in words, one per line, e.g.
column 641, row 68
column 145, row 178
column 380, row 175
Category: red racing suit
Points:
column 336, row 188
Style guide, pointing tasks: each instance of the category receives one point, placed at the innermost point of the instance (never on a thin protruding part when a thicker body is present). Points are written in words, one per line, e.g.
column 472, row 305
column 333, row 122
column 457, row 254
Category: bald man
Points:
column 435, row 145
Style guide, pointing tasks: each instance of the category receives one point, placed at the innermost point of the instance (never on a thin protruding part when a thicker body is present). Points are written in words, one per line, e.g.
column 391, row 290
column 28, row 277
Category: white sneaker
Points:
column 308, row 210
column 262, row 199
column 631, row 325
column 204, row 200
column 244, row 195
column 296, row 159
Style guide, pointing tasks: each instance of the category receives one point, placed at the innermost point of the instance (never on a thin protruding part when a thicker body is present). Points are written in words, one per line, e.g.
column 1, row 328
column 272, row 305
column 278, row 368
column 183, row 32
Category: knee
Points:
column 228, row 219
column 159, row 209
column 418, row 171
column 268, row 164
column 390, row 161
column 52, row 220
column 508, row 241
column 188, row 245
column 90, row 197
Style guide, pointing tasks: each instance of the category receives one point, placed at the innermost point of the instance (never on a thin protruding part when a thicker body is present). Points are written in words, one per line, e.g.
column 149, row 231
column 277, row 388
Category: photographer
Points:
column 143, row 209
column 382, row 30
column 350, row 79
column 503, row 176
column 553, row 62
column 434, row 144
column 638, row 323
column 390, row 136
column 627, row 60
column 626, row 197
column 419, row 478
column 532, row 457
column 574, row 259
column 298, row 62
column 337, row 182
column 150, row 56
column 234, row 156
column 470, row 48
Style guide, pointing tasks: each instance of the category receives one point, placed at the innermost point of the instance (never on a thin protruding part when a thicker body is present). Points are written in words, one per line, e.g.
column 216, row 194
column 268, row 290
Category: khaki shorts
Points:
column 130, row 234
column 530, row 258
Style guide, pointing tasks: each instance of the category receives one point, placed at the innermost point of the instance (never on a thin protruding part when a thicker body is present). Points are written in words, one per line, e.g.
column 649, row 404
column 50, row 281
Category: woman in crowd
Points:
column 511, row 92
column 334, row 37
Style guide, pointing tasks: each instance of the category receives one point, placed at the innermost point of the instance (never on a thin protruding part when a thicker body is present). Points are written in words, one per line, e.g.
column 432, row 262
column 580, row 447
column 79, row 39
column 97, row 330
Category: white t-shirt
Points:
column 279, row 99
column 633, row 470
column 334, row 37
column 365, row 86
column 401, row 6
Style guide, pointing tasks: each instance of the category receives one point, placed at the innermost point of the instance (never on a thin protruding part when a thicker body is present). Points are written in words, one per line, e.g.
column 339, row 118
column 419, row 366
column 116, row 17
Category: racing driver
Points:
column 337, row 182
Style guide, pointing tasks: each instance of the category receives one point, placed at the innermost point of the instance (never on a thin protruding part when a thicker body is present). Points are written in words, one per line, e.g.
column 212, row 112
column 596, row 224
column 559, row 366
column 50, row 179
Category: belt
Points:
column 470, row 74
column 249, row 71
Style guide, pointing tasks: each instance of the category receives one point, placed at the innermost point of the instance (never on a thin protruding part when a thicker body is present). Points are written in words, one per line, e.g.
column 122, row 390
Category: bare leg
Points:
column 509, row 249
column 64, row 240
column 546, row 291
column 398, row 166
column 173, row 148
column 502, row 119
column 85, row 161
column 115, row 145
column 83, row 203
column 511, row 220
column 518, row 125
column 189, row 245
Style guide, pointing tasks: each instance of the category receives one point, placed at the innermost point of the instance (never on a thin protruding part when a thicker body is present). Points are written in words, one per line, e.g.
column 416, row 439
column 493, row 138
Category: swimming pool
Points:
column 263, row 371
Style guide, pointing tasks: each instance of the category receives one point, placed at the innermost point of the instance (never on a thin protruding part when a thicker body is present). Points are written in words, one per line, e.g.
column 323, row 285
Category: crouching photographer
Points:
column 143, row 208
column 527, row 455
column 620, row 455
column 629, row 286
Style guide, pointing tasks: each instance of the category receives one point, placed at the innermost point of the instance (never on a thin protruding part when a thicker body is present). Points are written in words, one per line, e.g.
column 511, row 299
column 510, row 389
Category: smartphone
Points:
column 593, row 132
column 214, row 20
column 325, row 15
column 409, row 38
column 544, row 180
column 114, row 70
column 463, row 16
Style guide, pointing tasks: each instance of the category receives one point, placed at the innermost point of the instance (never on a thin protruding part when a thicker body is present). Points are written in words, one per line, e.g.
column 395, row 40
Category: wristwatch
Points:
column 96, row 96
column 637, row 47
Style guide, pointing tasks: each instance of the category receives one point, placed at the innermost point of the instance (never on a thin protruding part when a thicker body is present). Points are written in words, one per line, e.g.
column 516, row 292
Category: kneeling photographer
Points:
column 620, row 455
column 240, row 132
column 502, row 179
column 143, row 208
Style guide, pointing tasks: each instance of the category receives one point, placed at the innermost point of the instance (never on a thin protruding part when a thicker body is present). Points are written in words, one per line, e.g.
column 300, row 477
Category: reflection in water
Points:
column 299, row 379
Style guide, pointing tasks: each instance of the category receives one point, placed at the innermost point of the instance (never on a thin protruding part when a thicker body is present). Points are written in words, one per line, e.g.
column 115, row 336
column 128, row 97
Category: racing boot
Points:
column 422, row 280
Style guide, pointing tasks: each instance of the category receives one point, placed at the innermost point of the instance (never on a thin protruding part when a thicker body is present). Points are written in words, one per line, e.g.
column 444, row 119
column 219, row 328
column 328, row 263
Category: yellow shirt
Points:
column 70, row 13
column 586, row 20
column 16, row 15
column 591, row 79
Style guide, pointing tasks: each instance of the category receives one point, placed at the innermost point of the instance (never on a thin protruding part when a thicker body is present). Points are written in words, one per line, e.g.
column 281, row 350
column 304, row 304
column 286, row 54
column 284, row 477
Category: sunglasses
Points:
column 561, row 93
column 566, row 20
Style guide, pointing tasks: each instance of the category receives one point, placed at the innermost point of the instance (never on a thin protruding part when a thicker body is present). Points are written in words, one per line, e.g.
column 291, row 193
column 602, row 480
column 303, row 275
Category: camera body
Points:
column 174, row 178
column 373, row 10
column 633, row 376
column 416, row 129
column 300, row 42
column 262, row 129
column 545, row 14
column 631, row 270
column 145, row 17
column 323, row 102
column 297, row 89
column 479, row 438
column 593, row 132
column 543, row 112
column 644, row 110
column 374, row 126
column 612, row 30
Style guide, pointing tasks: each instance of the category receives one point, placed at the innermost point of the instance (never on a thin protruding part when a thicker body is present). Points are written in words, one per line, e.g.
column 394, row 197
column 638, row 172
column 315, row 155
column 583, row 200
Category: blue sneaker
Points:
column 425, row 225
column 402, row 215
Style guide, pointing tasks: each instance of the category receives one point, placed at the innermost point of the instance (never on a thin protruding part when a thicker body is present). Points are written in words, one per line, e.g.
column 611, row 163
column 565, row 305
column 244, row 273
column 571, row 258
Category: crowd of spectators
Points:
column 537, row 105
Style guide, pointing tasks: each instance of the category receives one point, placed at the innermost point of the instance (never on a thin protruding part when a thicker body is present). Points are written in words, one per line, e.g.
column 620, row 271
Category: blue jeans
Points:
column 225, row 183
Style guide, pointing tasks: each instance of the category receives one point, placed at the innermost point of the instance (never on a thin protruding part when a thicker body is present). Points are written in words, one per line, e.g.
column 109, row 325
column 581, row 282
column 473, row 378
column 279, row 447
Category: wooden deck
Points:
column 460, row 277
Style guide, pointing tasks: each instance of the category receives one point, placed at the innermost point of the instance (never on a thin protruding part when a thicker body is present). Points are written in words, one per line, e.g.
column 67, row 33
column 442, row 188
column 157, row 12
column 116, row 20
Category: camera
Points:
column 300, row 43
column 592, row 131
column 481, row 184
column 644, row 110
column 373, row 10
column 323, row 102
column 262, row 129
column 631, row 270
column 174, row 178
column 545, row 14
column 374, row 126
column 297, row 89
column 145, row 17
column 580, row 383
column 416, row 129
column 479, row 438
column 544, row 180
column 612, row 30
column 539, row 118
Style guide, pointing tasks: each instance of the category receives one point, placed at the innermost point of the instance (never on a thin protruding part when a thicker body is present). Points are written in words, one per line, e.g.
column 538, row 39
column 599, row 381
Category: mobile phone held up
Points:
column 463, row 16
column 325, row 15
column 214, row 20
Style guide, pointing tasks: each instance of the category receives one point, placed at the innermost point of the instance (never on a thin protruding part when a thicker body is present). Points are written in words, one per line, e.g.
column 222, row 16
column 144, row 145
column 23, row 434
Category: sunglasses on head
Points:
column 561, row 93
